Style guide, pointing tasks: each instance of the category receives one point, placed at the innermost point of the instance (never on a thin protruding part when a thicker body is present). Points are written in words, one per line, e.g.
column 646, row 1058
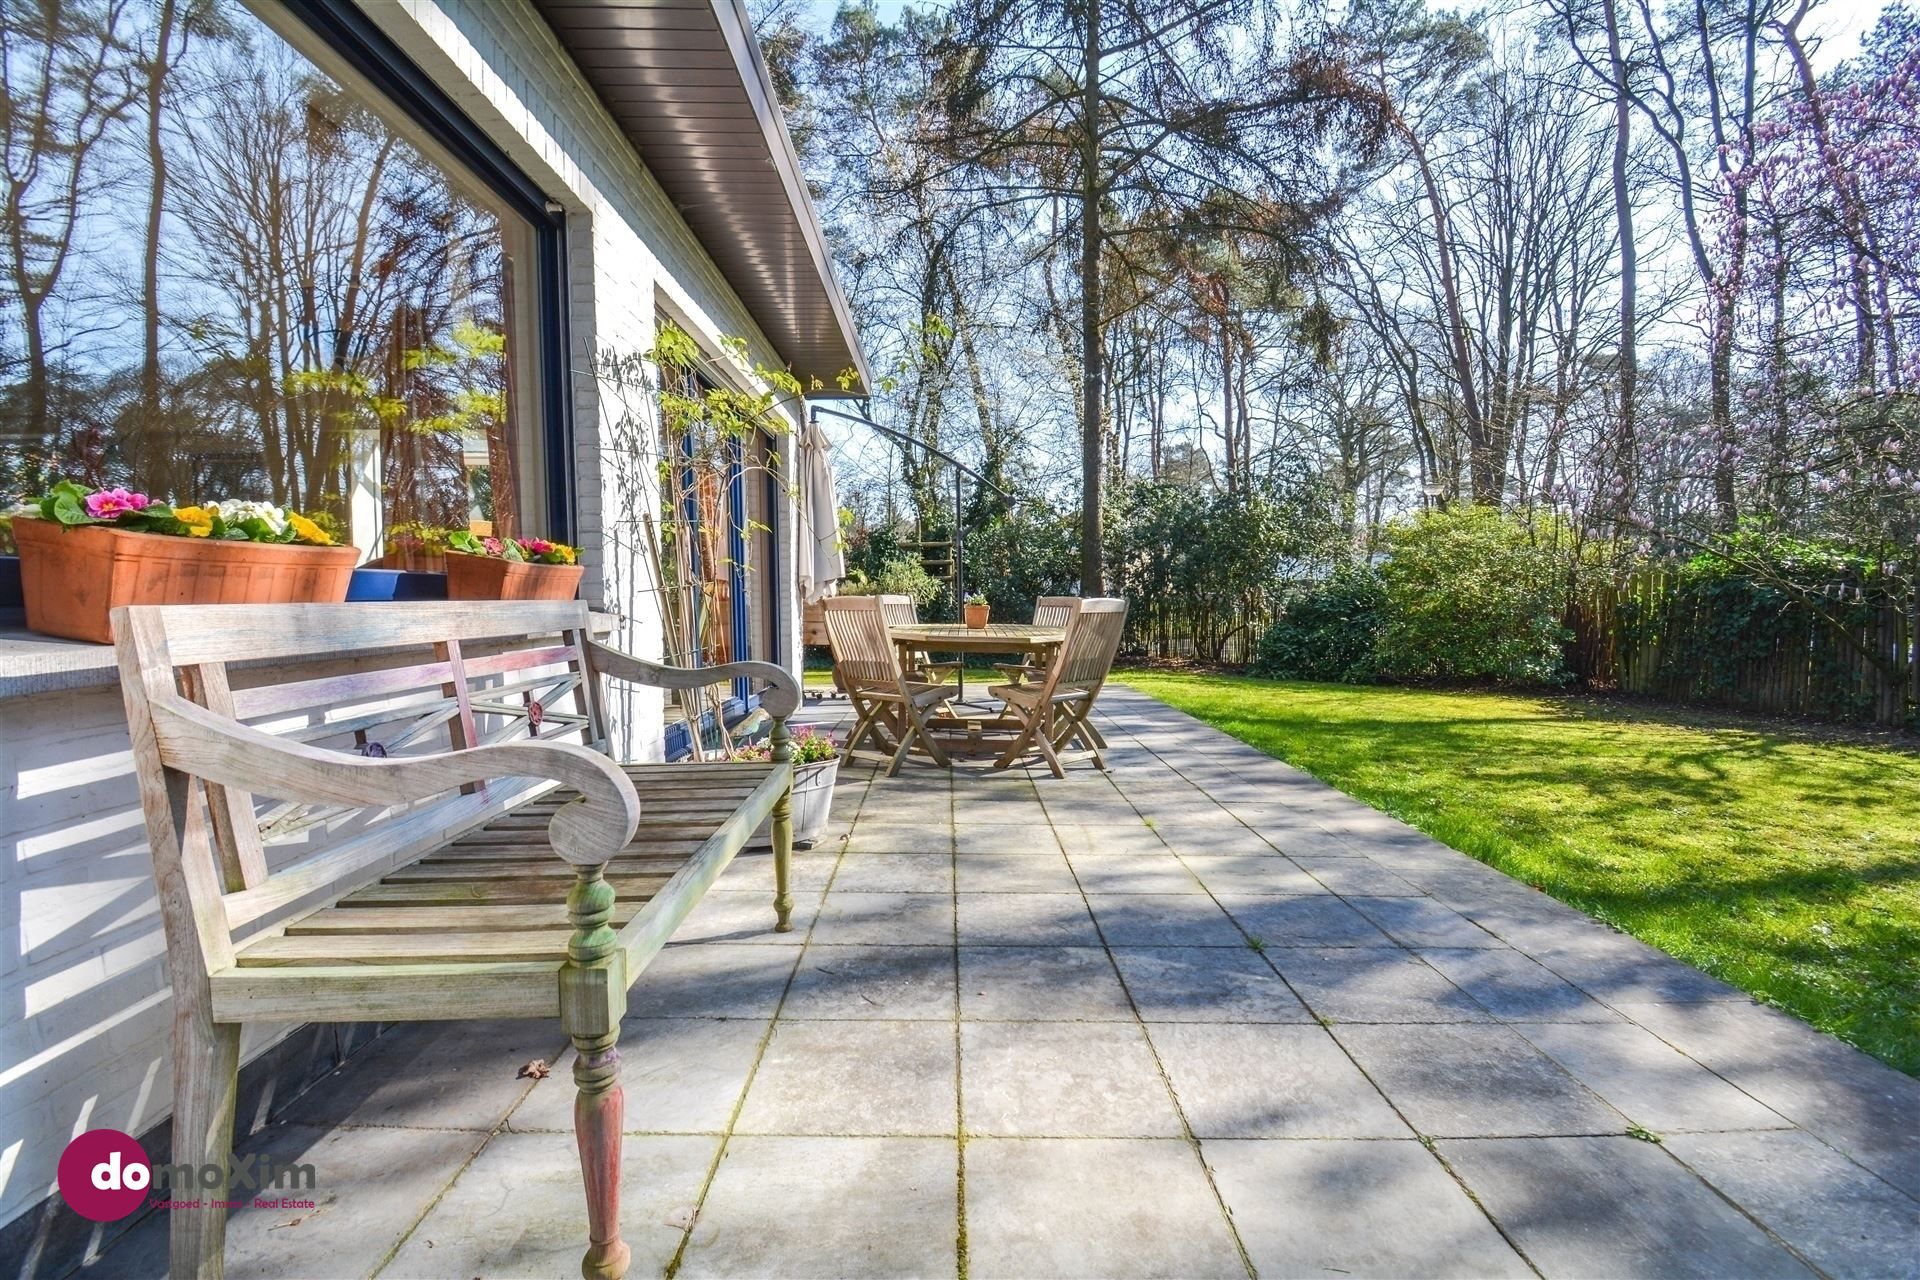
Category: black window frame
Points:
column 345, row 28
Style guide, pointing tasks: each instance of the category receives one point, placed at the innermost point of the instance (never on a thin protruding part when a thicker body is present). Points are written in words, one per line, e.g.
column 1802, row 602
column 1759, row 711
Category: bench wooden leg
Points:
column 593, row 999
column 599, row 1115
column 782, row 836
column 206, row 1065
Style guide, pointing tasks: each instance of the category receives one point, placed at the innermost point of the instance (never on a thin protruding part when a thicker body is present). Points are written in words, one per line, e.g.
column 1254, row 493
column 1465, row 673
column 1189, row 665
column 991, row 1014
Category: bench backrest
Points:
column 375, row 679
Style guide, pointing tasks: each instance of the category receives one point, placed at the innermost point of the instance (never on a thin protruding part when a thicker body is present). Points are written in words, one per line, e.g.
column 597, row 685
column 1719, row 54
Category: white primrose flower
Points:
column 235, row 510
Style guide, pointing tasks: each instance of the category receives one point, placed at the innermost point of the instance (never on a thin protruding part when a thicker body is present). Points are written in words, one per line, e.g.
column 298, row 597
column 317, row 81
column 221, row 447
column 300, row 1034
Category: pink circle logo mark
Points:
column 104, row 1175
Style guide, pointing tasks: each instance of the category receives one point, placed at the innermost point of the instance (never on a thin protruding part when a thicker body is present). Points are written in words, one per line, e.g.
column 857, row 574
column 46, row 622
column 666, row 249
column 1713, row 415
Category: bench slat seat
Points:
column 321, row 856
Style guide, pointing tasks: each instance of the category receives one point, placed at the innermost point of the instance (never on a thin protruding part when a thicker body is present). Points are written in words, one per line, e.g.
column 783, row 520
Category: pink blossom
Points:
column 105, row 504
column 536, row 546
column 494, row 546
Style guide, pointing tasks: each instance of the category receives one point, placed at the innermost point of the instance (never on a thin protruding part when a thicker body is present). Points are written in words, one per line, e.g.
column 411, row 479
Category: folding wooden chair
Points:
column 1057, row 707
column 1048, row 611
column 884, row 699
column 901, row 611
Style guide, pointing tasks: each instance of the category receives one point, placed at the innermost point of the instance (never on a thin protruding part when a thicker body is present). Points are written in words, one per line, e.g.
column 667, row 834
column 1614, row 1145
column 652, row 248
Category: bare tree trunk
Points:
column 1092, row 350
column 1617, row 504
column 1485, row 474
column 158, row 447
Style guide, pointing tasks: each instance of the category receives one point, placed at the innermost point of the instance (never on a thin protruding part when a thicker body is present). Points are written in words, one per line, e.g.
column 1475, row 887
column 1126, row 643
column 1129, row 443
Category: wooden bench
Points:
column 509, row 875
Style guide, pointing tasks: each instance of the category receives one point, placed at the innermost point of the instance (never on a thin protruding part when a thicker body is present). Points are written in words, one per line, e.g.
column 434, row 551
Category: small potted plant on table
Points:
column 816, row 766
column 84, row 553
column 510, row 568
column 976, row 611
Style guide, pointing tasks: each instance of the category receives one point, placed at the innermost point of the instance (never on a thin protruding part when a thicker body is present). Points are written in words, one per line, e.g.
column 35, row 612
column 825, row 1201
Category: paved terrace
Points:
column 1203, row 1017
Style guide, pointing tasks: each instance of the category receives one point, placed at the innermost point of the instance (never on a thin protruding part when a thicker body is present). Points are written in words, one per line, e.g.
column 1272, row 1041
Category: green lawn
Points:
column 1777, row 861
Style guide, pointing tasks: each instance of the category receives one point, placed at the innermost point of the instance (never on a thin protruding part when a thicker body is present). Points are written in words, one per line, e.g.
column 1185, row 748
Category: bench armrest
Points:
column 781, row 697
column 586, row 831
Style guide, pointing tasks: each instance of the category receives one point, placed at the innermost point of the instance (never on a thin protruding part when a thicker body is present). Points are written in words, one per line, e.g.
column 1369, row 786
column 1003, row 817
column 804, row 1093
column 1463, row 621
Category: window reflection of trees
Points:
column 221, row 274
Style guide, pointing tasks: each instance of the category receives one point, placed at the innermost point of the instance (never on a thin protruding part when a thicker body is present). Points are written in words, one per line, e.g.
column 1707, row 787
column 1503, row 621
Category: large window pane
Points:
column 227, row 269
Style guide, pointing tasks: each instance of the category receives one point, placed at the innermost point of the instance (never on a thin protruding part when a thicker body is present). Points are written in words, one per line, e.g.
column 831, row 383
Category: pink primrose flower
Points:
column 105, row 504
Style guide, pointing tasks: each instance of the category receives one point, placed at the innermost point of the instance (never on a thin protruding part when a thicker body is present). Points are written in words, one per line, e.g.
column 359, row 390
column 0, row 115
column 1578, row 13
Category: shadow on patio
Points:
column 1198, row 1016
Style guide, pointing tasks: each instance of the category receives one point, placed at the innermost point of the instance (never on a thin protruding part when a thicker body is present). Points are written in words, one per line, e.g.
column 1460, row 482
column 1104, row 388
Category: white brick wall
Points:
column 83, row 1009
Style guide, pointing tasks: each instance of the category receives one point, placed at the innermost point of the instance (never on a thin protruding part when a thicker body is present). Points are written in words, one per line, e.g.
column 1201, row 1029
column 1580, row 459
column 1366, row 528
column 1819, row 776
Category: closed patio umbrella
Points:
column 821, row 563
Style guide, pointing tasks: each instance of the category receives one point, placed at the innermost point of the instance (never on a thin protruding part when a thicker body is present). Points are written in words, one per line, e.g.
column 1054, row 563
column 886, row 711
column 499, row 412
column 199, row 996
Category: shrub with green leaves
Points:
column 1329, row 631
column 903, row 575
column 1472, row 594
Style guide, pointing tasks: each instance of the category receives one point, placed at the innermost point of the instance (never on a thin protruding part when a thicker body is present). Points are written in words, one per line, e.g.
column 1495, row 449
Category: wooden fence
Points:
column 1165, row 629
column 1844, row 654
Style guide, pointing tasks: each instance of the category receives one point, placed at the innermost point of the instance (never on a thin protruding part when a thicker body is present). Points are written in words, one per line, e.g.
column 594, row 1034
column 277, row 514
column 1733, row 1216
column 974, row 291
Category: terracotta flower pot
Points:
column 72, row 578
column 976, row 615
column 492, row 578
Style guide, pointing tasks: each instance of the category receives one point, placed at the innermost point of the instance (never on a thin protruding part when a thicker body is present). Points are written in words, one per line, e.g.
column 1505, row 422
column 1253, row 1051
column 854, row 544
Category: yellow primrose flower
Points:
column 199, row 520
column 307, row 531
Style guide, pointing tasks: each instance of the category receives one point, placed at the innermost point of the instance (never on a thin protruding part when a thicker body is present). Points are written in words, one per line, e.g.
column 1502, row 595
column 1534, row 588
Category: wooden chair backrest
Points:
column 421, row 677
column 1055, row 611
column 862, row 643
column 899, row 611
column 1093, row 638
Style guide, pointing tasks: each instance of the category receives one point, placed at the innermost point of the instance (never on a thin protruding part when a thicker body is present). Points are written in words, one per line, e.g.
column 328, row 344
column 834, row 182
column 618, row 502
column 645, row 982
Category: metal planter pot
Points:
column 812, row 804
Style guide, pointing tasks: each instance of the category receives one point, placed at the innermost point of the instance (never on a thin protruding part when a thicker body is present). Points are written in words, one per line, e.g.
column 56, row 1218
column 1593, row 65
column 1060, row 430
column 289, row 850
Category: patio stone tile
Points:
column 1616, row 968
column 872, row 982
column 1356, row 876
column 935, row 835
column 1455, row 1081
column 1868, row 1110
column 1613, row 1207
column 712, row 980
column 1040, row 984
column 1001, row 805
column 1303, row 921
column 1648, row 1080
column 1109, row 838
column 1014, row 785
column 518, row 1209
column 682, row 1075
column 886, row 919
column 1264, row 872
column 1238, row 1081
column 853, row 1078
column 1112, row 1207
column 847, row 796
column 1320, row 1207
column 1043, row 871
column 435, row 1075
column 1062, row 1080
column 1202, row 827
column 1025, row 920
column 1531, row 921
column 1133, row 873
column 872, row 1207
column 974, row 839
column 1163, row 920
column 1840, row 1217
column 1515, row 988
column 1206, row 984
column 894, row 873
column 369, row 1187
column 1301, row 841
column 746, row 917
column 753, row 872
column 1422, row 922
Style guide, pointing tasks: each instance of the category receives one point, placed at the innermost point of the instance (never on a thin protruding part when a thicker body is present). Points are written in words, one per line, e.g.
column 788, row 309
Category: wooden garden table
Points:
column 996, row 637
